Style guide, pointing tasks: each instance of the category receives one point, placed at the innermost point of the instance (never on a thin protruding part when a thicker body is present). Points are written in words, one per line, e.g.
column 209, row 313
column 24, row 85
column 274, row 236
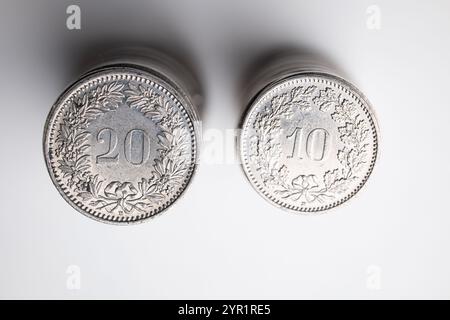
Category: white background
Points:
column 222, row 240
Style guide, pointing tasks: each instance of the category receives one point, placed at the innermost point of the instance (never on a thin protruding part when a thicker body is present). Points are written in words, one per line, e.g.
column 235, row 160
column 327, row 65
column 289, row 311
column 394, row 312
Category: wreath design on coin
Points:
column 122, row 197
column 265, row 150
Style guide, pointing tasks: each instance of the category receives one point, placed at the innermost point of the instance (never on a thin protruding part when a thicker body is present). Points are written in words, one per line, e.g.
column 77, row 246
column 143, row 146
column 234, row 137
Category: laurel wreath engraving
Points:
column 265, row 150
column 72, row 144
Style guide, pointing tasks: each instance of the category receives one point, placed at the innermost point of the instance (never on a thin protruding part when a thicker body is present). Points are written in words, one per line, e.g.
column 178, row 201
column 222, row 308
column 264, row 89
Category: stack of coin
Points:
column 121, row 144
column 309, row 139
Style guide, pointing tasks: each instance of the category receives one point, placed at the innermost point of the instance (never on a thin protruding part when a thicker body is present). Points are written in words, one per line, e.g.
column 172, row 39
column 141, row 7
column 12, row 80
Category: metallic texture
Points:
column 121, row 144
column 308, row 141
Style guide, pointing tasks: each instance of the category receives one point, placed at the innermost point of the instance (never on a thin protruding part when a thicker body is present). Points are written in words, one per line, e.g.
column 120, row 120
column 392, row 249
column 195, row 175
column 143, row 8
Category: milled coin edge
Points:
column 179, row 100
column 353, row 91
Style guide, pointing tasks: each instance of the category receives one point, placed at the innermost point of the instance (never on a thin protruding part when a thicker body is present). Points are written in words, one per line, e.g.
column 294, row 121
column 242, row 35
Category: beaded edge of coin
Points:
column 87, row 83
column 326, row 78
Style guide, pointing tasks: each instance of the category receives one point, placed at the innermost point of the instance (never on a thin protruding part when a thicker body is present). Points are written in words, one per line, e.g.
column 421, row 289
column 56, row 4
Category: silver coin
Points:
column 308, row 142
column 121, row 144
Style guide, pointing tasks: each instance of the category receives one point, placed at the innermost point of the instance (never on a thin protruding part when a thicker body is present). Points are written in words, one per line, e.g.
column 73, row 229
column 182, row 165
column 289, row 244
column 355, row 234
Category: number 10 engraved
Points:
column 314, row 146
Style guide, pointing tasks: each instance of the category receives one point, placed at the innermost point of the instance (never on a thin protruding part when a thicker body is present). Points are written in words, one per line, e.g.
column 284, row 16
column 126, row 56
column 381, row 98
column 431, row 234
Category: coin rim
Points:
column 177, row 97
column 353, row 90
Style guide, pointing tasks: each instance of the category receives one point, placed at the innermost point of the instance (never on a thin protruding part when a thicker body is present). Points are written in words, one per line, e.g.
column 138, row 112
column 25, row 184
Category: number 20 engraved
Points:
column 135, row 146
column 314, row 145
